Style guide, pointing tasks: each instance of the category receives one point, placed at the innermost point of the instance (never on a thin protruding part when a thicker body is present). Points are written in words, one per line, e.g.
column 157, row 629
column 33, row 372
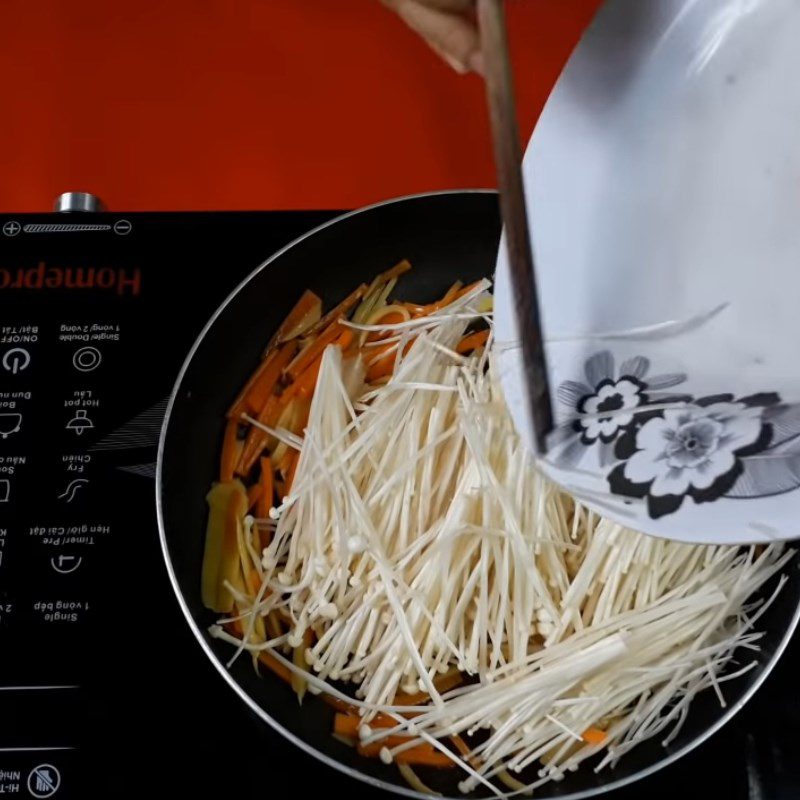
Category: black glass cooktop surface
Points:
column 104, row 692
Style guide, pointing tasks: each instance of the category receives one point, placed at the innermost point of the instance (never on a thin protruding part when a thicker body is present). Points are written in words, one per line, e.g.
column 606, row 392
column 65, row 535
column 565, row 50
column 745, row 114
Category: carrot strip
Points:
column 264, row 387
column 472, row 342
column 230, row 453
column 347, row 724
column 395, row 272
column 453, row 294
column 255, row 442
column 303, row 316
column 303, row 387
column 339, row 705
column 294, row 459
column 310, row 353
column 273, row 624
column 238, row 406
column 466, row 290
column 264, row 537
column 386, row 316
column 422, row 310
column 300, row 420
column 257, row 439
column 348, row 720
column 594, row 736
column 348, row 709
column 254, row 495
column 307, row 381
column 422, row 754
column 292, row 417
column 272, row 663
column 342, row 310
column 345, row 340
column 267, row 489
column 464, row 749
column 253, row 582
column 383, row 367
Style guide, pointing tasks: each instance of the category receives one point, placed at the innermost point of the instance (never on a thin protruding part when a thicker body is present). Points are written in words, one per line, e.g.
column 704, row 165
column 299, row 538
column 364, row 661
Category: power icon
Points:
column 15, row 360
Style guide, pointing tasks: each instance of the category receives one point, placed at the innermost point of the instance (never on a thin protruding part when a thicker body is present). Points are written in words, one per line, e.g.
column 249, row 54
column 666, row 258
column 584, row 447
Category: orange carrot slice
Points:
column 346, row 339
column 309, row 353
column 346, row 724
column 340, row 311
column 267, row 489
column 230, row 451
column 395, row 272
column 422, row 310
column 472, row 342
column 301, row 318
column 264, row 387
column 422, row 754
column 594, row 736
column 238, row 406
column 254, row 495
column 294, row 459
column 272, row 663
column 381, row 367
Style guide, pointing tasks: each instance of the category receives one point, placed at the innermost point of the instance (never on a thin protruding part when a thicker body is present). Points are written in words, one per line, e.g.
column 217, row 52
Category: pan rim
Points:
column 255, row 707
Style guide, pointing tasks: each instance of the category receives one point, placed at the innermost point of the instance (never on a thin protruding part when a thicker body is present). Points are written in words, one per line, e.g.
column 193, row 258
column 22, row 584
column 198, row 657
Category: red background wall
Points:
column 234, row 104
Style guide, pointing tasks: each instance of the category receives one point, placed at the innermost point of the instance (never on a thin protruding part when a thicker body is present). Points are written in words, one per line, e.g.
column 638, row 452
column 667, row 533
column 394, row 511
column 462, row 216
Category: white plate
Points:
column 663, row 184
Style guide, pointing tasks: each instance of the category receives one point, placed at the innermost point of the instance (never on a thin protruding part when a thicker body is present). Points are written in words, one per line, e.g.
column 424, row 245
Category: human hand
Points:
column 448, row 26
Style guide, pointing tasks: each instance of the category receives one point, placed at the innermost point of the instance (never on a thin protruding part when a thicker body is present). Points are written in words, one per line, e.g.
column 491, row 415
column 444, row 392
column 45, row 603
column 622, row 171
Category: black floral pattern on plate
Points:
column 697, row 451
column 609, row 402
column 663, row 448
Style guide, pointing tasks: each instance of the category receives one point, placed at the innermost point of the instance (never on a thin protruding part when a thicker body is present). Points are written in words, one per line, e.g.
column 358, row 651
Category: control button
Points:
column 9, row 423
column 44, row 781
column 12, row 228
column 5, row 490
column 80, row 422
column 86, row 359
column 68, row 495
column 65, row 563
column 122, row 227
column 16, row 359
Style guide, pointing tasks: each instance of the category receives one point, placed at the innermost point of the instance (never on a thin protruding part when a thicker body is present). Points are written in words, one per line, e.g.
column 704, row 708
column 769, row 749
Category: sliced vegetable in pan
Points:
column 381, row 541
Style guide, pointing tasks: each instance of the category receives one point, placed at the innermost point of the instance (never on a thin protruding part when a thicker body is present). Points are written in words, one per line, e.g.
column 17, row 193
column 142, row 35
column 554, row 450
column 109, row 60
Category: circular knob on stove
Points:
column 78, row 201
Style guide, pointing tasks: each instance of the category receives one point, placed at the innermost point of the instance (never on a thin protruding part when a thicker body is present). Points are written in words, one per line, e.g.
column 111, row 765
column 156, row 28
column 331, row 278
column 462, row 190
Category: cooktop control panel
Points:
column 97, row 313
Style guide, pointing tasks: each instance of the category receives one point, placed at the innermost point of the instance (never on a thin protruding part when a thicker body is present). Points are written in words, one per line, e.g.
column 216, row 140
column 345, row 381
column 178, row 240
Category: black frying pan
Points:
column 446, row 237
